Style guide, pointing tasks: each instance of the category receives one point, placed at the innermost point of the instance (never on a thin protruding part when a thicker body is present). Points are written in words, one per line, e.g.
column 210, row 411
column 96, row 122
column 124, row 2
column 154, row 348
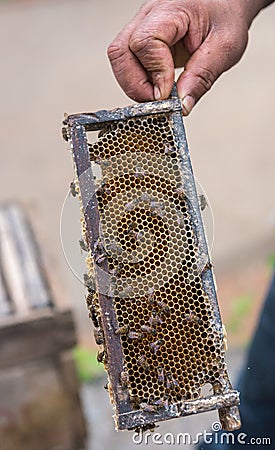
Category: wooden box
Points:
column 39, row 401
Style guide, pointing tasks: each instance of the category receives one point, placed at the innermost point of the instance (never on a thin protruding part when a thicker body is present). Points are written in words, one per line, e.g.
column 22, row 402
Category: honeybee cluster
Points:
column 170, row 341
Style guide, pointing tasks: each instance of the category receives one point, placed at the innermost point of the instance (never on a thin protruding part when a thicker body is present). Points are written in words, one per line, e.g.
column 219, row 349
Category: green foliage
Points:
column 86, row 363
column 271, row 261
column 241, row 307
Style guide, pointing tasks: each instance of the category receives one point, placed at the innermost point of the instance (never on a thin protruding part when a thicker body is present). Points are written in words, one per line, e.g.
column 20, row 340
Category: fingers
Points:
column 180, row 55
column 128, row 71
column 143, row 54
column 130, row 74
column 141, row 57
column 215, row 55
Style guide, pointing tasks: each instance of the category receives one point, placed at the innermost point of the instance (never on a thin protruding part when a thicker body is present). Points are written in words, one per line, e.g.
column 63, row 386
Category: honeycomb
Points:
column 171, row 336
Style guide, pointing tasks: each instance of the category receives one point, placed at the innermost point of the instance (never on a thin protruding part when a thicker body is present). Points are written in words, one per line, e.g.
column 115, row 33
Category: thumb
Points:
column 215, row 55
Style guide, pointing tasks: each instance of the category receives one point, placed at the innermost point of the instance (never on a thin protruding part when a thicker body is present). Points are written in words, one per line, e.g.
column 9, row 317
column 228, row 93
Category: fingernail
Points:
column 157, row 93
column 188, row 103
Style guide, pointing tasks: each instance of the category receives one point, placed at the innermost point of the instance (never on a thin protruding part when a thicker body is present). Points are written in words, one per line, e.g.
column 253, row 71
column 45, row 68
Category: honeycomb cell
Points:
column 167, row 328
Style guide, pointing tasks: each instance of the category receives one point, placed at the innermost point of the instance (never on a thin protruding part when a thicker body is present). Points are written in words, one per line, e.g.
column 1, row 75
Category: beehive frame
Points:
column 151, row 292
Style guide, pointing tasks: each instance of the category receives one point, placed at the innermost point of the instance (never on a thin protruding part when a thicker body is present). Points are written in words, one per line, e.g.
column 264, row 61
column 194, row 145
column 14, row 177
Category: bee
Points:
column 181, row 193
column 138, row 236
column 89, row 283
column 126, row 292
column 93, row 312
column 99, row 252
column 135, row 401
column 142, row 362
column 102, row 162
column 114, row 247
column 112, row 288
column 157, row 209
column 65, row 133
column 161, row 403
column 115, row 271
column 124, row 378
column 207, row 266
column 151, row 295
column 146, row 198
column 155, row 319
column 140, row 173
column 203, row 202
column 83, row 245
column 90, row 300
column 104, row 131
column 100, row 357
column 163, row 306
column 181, row 220
column 104, row 189
column 98, row 336
column 131, row 205
column 148, row 329
column 170, row 381
column 156, row 206
column 155, row 346
column 98, row 246
column 134, row 335
column 191, row 317
column 100, row 258
column 160, row 373
column 169, row 149
column 122, row 330
column 93, row 316
column 73, row 189
column 148, row 408
column 150, row 426
column 131, row 228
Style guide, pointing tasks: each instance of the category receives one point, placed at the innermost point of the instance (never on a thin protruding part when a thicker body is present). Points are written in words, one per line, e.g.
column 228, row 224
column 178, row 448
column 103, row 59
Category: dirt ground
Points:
column 53, row 60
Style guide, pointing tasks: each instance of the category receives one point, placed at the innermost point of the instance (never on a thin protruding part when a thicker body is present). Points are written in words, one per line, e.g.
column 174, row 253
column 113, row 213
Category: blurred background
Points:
column 53, row 60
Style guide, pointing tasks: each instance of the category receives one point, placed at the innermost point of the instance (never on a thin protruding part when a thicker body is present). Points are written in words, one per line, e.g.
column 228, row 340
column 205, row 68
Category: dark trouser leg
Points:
column 257, row 382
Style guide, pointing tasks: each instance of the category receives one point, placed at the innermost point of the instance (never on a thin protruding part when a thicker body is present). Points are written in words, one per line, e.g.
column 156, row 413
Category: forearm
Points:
column 252, row 7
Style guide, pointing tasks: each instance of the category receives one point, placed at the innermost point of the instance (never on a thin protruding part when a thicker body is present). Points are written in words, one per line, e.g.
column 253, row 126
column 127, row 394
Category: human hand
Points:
column 213, row 32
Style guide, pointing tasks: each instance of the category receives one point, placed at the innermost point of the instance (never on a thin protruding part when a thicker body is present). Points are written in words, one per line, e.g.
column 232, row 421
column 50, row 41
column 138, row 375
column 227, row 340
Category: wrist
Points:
column 251, row 8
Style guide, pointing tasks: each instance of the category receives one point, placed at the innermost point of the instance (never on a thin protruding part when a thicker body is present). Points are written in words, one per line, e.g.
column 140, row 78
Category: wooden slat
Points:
column 21, row 264
column 11, row 268
column 35, row 338
column 5, row 304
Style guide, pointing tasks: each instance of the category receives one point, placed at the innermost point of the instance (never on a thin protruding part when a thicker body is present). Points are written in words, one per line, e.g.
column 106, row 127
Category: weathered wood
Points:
column 35, row 333
column 21, row 266
column 39, row 336
column 5, row 304
column 93, row 121
column 123, row 140
column 66, row 369
column 36, row 411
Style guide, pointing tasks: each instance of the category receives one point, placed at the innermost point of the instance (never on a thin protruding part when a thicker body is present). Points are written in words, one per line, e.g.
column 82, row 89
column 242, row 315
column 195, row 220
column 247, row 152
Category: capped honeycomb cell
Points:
column 151, row 293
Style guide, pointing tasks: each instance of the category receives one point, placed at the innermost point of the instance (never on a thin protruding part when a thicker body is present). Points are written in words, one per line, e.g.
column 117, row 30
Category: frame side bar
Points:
column 107, row 311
